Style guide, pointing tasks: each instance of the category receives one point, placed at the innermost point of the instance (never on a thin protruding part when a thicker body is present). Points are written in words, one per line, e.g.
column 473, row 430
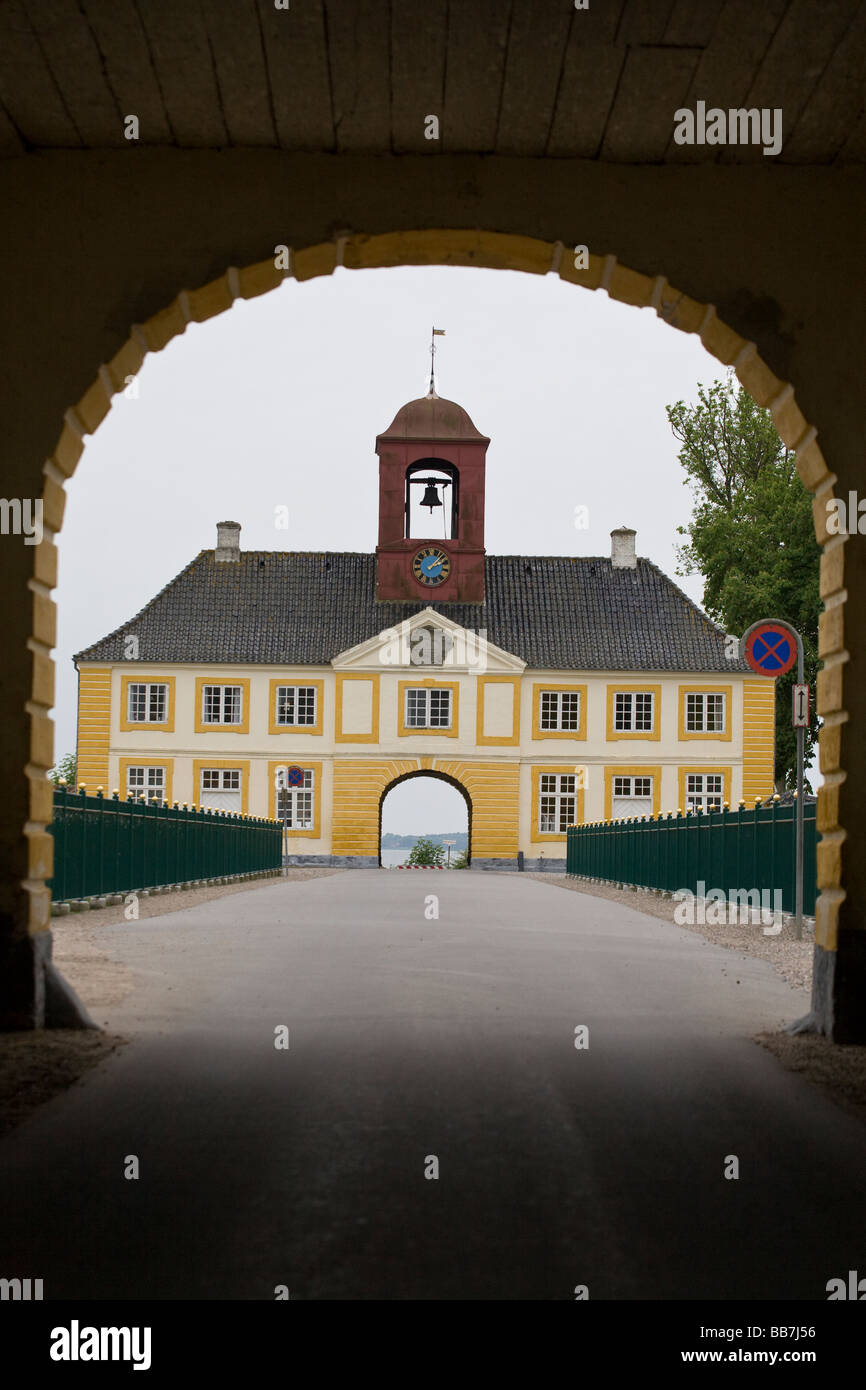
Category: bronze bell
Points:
column 431, row 496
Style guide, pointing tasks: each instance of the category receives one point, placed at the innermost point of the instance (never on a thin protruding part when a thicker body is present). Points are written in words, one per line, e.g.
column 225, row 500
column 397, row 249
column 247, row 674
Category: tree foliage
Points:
column 66, row 768
column 751, row 535
column 427, row 853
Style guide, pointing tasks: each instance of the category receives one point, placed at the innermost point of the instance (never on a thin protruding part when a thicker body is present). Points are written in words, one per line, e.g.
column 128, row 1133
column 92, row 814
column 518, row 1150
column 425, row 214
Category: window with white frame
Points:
column 221, row 704
column 632, row 796
column 705, row 713
column 146, row 703
column 295, row 803
column 633, row 711
column 560, row 709
column 557, row 802
column 147, row 782
column 296, row 705
column 704, row 791
column 428, row 708
column 220, row 789
column 221, row 779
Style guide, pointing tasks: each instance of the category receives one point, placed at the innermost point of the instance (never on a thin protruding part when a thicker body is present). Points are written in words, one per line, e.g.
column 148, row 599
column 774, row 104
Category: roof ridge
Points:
column 367, row 554
column 427, row 540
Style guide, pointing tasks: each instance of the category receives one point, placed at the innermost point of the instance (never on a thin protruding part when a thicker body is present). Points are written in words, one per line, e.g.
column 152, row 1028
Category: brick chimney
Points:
column 228, row 546
column 622, row 556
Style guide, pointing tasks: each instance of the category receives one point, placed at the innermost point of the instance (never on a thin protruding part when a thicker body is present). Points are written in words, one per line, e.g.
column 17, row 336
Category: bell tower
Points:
column 431, row 505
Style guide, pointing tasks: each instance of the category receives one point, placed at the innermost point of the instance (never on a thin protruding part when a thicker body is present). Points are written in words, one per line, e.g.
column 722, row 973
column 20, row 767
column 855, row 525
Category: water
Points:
column 392, row 857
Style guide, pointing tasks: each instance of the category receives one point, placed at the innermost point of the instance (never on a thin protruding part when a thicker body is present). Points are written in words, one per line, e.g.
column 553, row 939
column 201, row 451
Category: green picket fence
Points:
column 731, row 850
column 111, row 846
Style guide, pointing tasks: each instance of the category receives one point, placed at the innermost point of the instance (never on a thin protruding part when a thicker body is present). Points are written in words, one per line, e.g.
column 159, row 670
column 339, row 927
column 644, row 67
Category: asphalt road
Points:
column 412, row 1038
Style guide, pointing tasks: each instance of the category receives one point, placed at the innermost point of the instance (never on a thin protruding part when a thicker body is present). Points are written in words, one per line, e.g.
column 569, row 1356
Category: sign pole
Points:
column 764, row 668
column 798, row 872
column 798, row 919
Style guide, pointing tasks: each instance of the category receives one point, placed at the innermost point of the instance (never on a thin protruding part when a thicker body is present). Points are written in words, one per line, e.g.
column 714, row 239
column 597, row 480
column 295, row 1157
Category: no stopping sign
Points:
column 770, row 650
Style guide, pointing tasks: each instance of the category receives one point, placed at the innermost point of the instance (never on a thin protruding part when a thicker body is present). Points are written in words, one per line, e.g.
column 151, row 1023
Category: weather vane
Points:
column 436, row 333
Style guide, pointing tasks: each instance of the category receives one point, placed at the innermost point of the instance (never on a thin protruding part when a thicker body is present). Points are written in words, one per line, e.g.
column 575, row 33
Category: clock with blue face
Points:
column 431, row 566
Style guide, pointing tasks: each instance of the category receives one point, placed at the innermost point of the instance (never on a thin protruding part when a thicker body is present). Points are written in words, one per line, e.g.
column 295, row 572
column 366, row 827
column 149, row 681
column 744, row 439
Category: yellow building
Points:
column 550, row 690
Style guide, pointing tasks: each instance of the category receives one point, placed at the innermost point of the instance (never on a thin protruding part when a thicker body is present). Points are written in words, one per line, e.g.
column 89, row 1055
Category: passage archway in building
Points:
column 23, row 1007
column 453, row 806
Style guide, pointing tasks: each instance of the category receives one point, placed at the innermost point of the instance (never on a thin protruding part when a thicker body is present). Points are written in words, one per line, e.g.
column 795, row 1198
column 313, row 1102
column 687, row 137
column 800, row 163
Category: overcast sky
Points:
column 278, row 403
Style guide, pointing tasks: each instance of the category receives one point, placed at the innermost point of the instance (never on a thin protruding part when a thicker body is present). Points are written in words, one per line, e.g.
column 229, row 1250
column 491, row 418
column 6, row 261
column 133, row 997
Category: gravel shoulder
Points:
column 97, row 978
column 839, row 1071
column 36, row 1066
column 792, row 959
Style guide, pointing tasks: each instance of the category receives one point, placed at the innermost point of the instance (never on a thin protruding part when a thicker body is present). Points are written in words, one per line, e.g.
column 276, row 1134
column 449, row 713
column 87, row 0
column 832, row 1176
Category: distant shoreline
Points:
column 460, row 838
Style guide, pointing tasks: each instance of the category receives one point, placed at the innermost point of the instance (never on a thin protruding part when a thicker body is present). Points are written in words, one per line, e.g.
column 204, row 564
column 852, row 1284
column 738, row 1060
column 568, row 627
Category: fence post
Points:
column 100, row 811
column 774, row 824
column 84, row 846
column 59, row 829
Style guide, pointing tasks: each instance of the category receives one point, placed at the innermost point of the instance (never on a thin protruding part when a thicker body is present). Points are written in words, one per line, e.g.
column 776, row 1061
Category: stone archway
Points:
column 490, row 250
column 442, row 777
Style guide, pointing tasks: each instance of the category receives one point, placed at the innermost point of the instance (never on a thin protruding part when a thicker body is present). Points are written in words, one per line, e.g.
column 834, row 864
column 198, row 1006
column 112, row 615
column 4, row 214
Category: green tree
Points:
column 461, row 861
column 428, row 853
column 751, row 535
column 65, row 768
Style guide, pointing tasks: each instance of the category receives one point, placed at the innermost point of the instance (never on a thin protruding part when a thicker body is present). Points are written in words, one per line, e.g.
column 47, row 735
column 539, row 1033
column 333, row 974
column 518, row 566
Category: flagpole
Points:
column 434, row 332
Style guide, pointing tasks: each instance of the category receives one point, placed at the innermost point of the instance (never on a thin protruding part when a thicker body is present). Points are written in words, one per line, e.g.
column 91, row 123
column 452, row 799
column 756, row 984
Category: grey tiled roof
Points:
column 298, row 608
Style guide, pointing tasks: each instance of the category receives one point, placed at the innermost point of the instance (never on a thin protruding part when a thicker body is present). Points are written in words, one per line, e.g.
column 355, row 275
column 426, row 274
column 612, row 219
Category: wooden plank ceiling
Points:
column 511, row 77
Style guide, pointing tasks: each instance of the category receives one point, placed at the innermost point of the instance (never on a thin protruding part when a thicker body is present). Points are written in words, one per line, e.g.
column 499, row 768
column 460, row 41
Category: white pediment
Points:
column 428, row 641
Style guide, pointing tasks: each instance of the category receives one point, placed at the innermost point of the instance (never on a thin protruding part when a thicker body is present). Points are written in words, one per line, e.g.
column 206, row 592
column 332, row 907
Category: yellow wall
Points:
column 94, row 727
column 494, row 788
column 759, row 704
column 495, row 749
column 358, row 787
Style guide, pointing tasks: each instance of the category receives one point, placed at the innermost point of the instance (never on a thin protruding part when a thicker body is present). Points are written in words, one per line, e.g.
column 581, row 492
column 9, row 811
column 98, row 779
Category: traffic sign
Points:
column 295, row 777
column 770, row 649
column 801, row 706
